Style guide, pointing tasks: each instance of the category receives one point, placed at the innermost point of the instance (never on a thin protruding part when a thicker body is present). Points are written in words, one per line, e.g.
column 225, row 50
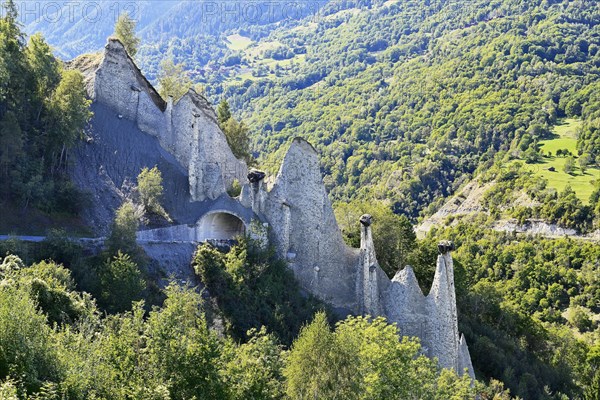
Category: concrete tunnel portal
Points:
column 220, row 226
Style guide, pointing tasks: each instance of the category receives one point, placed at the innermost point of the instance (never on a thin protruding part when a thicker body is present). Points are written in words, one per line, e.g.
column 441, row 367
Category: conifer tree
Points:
column 125, row 32
column 223, row 112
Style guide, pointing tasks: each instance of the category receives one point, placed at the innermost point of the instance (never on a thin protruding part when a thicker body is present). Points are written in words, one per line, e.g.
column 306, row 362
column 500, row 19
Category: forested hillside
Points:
column 529, row 309
column 43, row 111
column 405, row 100
column 188, row 31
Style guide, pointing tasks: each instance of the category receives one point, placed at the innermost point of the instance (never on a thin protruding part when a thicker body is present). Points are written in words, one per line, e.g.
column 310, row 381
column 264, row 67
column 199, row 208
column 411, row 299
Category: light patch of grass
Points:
column 566, row 137
column 257, row 50
column 247, row 75
column 567, row 128
column 566, row 133
column 238, row 42
column 269, row 62
column 246, row 72
column 580, row 183
column 307, row 28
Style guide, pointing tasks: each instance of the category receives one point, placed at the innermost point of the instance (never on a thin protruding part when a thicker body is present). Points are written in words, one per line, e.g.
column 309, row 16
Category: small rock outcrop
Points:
column 255, row 176
column 432, row 318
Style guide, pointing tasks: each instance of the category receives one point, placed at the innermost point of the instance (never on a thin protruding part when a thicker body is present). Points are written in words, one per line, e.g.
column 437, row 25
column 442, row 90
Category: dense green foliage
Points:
column 125, row 32
column 113, row 278
column 122, row 283
column 171, row 353
column 43, row 110
column 150, row 190
column 393, row 235
column 562, row 208
column 528, row 308
column 253, row 288
column 364, row 359
column 404, row 100
column 235, row 132
column 123, row 231
column 223, row 112
column 150, row 187
column 173, row 80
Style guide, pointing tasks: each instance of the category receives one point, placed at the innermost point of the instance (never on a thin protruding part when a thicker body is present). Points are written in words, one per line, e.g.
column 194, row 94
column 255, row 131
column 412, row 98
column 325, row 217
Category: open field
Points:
column 238, row 42
column 300, row 58
column 558, row 179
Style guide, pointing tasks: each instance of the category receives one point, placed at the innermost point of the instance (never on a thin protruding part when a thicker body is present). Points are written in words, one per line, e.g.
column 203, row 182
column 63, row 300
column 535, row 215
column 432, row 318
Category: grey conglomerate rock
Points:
column 255, row 176
column 133, row 127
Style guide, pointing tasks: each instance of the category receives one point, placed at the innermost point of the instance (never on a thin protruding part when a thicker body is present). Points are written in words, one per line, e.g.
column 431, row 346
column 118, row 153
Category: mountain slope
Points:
column 189, row 31
column 406, row 100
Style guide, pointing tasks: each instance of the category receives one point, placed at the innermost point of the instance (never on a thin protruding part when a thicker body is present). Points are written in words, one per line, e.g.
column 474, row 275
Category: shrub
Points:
column 150, row 189
column 123, row 233
column 254, row 288
column 122, row 283
column 26, row 347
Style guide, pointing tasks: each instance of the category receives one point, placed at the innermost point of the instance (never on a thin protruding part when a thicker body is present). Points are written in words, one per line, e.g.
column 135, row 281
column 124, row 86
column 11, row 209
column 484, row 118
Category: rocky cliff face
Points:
column 432, row 318
column 305, row 230
column 134, row 127
column 468, row 203
column 187, row 129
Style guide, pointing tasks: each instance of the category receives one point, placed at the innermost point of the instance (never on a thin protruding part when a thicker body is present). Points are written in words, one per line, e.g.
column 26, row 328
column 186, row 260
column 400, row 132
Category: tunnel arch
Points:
column 220, row 225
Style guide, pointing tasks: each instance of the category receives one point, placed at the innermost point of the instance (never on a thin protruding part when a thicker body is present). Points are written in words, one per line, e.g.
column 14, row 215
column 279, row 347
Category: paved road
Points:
column 37, row 239
column 24, row 238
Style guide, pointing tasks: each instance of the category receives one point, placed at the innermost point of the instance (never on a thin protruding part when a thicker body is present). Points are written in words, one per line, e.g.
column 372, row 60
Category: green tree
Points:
column 11, row 145
column 316, row 367
column 53, row 289
column 584, row 161
column 122, row 283
column 186, row 353
column 45, row 70
column 173, row 80
column 569, row 166
column 363, row 359
column 393, row 235
column 595, row 201
column 11, row 13
column 223, row 112
column 150, row 189
column 579, row 318
column 254, row 370
column 28, row 352
column 238, row 139
column 532, row 155
column 125, row 32
column 69, row 113
column 592, row 387
column 13, row 68
column 124, row 228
